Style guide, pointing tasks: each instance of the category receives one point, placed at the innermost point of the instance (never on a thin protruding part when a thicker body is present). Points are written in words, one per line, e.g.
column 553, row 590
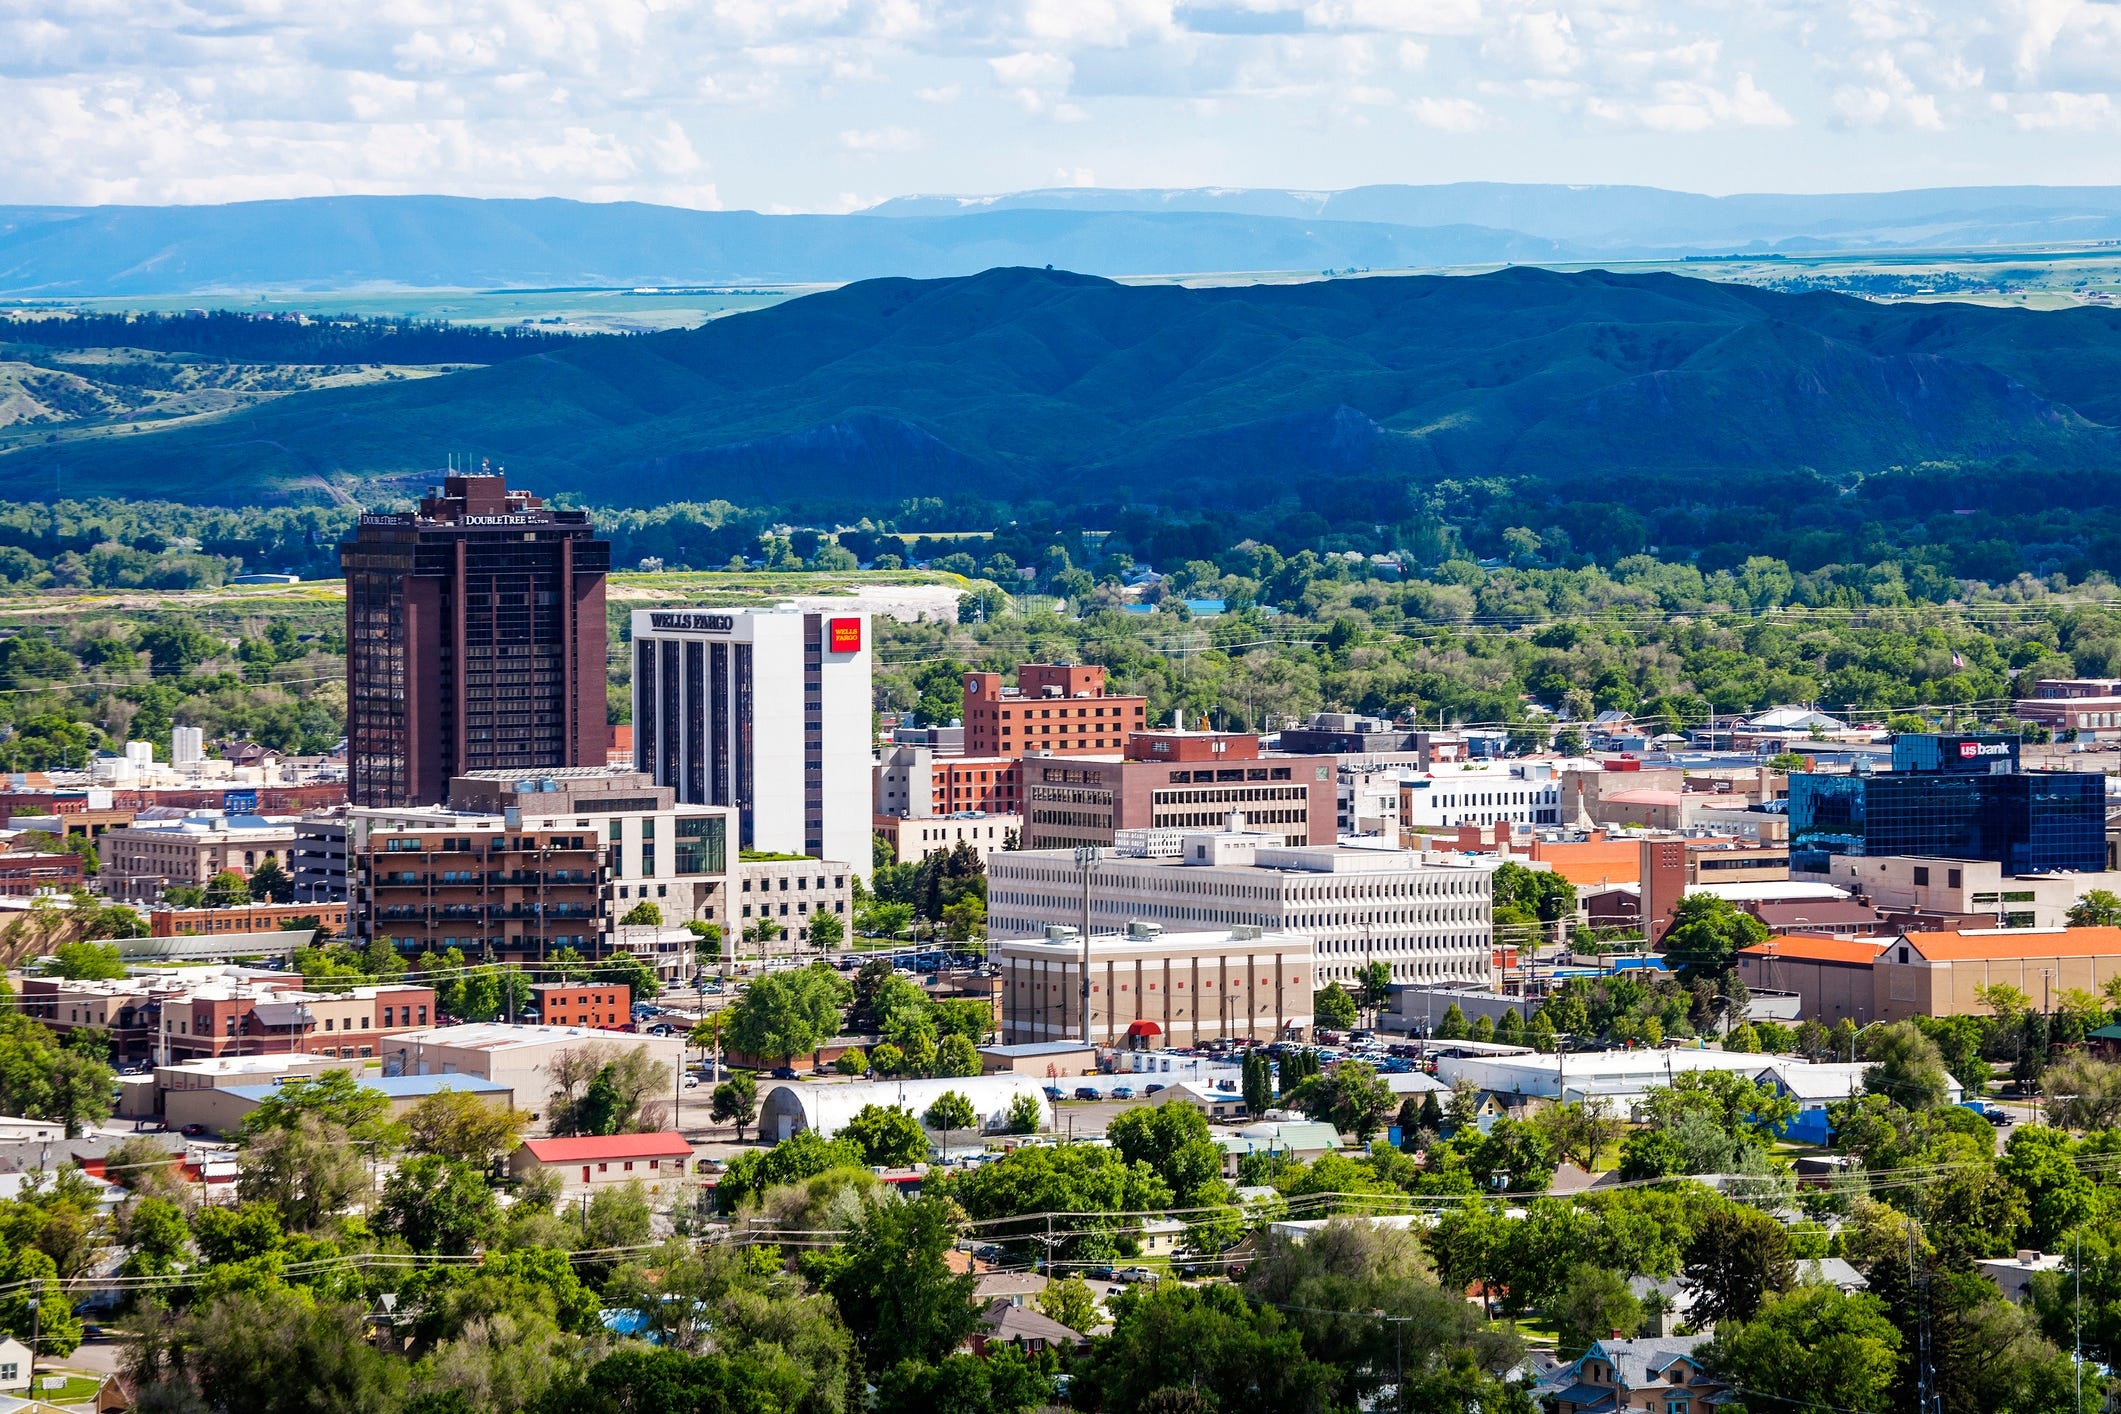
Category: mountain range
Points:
column 355, row 242
column 1034, row 384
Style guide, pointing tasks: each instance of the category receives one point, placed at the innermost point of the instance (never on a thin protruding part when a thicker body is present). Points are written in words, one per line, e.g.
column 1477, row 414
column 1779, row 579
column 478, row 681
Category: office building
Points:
column 148, row 856
column 1673, row 868
column 790, row 892
column 1426, row 917
column 916, row 781
column 2089, row 707
column 475, row 640
column 1151, row 988
column 1061, row 709
column 1453, row 793
column 522, row 866
column 1951, row 797
column 911, row 841
column 23, row 873
column 1965, row 893
column 765, row 711
column 1177, row 780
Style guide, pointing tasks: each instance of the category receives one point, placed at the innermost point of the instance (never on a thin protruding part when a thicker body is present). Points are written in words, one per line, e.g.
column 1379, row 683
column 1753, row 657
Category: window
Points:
column 1951, row 878
column 1922, row 874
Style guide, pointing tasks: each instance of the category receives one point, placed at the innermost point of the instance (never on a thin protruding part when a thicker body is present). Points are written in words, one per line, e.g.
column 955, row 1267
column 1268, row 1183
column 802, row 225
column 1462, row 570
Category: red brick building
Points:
column 599, row 1004
column 1175, row 780
column 1060, row 708
column 24, row 874
column 244, row 918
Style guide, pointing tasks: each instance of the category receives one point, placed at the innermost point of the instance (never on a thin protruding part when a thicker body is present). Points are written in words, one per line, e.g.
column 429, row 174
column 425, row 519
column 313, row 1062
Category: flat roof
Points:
column 396, row 1087
column 1037, row 1048
column 613, row 1146
column 1973, row 945
column 497, row 1036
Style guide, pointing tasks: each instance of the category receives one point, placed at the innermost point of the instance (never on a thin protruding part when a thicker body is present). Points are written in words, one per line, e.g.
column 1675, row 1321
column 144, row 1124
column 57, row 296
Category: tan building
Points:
column 789, row 891
column 1151, row 988
column 913, row 840
column 1832, row 977
column 1939, row 974
column 520, row 1057
column 142, row 859
column 1673, row 868
column 1970, row 893
column 222, row 1109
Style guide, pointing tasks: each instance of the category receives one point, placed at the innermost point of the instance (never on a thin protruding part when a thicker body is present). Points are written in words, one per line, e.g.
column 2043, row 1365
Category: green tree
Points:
column 887, row 1136
column 269, row 883
column 1905, row 1066
column 1806, row 1341
column 956, row 1057
column 1593, row 1303
column 1174, row 1142
column 2099, row 908
column 464, row 1128
column 1353, row 1098
column 1706, row 935
column 1453, row 1026
column 786, row 1014
column 1373, row 987
column 1247, row 1359
column 1736, row 1258
column 271, row 1351
column 438, row 1205
column 1334, row 1007
column 736, row 1101
column 1026, row 1116
column 227, row 889
column 645, row 914
column 1070, row 1301
column 895, row 1288
column 827, row 930
column 1258, row 1079
column 87, row 961
column 951, row 1113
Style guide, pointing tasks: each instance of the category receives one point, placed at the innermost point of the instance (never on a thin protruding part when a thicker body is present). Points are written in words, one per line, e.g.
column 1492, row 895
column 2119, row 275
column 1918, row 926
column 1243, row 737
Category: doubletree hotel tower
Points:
column 767, row 710
column 475, row 641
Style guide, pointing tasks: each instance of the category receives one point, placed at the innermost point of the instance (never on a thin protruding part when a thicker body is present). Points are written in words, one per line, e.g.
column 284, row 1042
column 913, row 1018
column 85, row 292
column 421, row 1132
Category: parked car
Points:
column 1138, row 1274
column 1153, row 1089
column 1054, row 1092
column 1123, row 1092
column 1087, row 1092
column 783, row 1072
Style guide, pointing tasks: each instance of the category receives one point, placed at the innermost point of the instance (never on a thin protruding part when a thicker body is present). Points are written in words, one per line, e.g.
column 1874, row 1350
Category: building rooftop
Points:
column 1025, row 1049
column 396, row 1087
column 1810, row 947
column 1976, row 945
column 613, row 1146
column 496, row 1036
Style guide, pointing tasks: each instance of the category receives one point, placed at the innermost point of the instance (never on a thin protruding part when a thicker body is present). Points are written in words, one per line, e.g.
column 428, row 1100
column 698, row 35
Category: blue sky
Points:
column 826, row 105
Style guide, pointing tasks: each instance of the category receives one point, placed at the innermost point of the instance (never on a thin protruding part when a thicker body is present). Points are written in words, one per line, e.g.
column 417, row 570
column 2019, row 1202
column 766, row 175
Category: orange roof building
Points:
column 1832, row 977
column 1942, row 973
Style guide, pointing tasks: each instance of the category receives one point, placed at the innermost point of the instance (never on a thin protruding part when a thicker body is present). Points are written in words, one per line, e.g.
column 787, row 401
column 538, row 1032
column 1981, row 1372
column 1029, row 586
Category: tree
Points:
column 895, row 1288
column 1593, row 1303
column 951, row 1111
column 269, row 883
column 1071, row 1302
column 307, row 1169
column 1258, row 1080
column 1735, row 1259
column 1334, row 1007
column 1706, row 935
column 438, row 1205
column 81, row 961
column 1804, row 1342
column 227, row 889
column 2099, row 908
column 599, row 1092
column 736, row 1102
column 1905, row 1066
column 887, row 1136
column 1003, row 1381
column 1354, row 1098
column 460, row 1126
column 956, row 1057
column 1173, row 1141
column 1453, row 1025
column 785, row 1014
column 1512, row 1156
column 2084, row 1094
column 1373, row 987
column 827, row 930
column 1244, row 1358
column 1025, row 1115
column 645, row 914
column 270, row 1351
column 1580, row 1130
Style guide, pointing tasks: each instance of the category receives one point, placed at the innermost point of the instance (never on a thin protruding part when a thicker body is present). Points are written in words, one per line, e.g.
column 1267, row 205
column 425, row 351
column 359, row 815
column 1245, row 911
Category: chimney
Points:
column 1178, row 719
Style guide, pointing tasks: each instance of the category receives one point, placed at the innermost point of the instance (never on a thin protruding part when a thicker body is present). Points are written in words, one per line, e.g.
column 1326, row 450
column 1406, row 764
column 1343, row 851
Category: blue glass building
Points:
column 1953, row 797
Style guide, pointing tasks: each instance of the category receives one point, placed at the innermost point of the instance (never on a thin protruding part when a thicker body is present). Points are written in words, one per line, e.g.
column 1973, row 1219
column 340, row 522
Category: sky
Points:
column 830, row 105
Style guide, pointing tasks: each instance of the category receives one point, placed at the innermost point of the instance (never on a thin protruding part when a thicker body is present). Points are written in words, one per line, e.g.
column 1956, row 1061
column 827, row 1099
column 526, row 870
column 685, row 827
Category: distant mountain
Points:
column 340, row 243
column 1605, row 221
column 1048, row 385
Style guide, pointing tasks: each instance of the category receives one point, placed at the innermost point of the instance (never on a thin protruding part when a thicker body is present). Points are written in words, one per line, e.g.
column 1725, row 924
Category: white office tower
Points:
column 186, row 745
column 766, row 710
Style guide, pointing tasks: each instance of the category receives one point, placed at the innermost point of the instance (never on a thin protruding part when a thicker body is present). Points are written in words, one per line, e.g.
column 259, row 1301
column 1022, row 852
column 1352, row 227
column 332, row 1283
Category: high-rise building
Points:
column 765, row 710
column 474, row 641
column 1952, row 797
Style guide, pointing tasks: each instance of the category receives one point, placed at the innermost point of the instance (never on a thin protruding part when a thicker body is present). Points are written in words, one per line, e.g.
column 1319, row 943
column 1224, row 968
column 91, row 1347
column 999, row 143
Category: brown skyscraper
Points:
column 475, row 641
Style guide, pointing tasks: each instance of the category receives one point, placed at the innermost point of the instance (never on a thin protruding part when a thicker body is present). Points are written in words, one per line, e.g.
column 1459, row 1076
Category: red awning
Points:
column 1145, row 1028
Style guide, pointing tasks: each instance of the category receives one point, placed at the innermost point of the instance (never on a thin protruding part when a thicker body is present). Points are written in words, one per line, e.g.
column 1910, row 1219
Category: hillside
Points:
column 1035, row 384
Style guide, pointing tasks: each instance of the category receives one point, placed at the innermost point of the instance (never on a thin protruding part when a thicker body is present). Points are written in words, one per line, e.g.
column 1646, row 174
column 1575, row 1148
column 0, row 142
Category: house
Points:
column 1300, row 1140
column 1161, row 1237
column 1016, row 1288
column 594, row 1161
column 1815, row 1085
column 1215, row 1104
column 14, row 1364
column 1832, row 1271
column 1663, row 1375
column 1024, row 1326
column 1665, row 1302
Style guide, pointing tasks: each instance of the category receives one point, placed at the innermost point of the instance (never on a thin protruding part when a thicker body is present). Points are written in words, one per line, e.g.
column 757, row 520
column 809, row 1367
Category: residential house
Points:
column 1661, row 1376
column 593, row 1161
column 1024, row 1326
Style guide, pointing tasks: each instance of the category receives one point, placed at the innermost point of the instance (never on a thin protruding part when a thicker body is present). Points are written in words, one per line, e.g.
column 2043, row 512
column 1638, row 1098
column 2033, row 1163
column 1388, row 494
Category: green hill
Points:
column 1035, row 384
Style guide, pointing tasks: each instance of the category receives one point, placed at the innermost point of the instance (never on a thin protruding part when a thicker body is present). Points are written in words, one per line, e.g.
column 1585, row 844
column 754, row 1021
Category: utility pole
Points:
column 1086, row 862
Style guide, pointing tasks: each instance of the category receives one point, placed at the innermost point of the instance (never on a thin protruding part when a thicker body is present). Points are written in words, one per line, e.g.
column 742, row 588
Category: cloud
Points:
column 877, row 140
column 1450, row 115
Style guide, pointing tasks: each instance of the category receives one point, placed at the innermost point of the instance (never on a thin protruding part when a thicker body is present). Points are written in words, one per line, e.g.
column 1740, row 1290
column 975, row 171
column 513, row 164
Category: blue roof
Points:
column 397, row 1087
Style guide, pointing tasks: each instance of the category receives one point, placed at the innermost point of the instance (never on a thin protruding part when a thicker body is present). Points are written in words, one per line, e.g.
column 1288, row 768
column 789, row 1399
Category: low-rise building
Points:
column 604, row 1005
column 1832, row 977
column 789, row 889
column 1453, row 793
column 912, row 840
column 1149, row 987
column 143, row 859
column 917, row 782
column 1673, row 868
column 27, row 872
column 789, row 1109
column 222, row 1109
column 1425, row 916
column 656, row 1161
column 243, row 918
column 1062, row 709
column 520, row 1057
column 1663, row 1375
column 1972, row 893
column 1942, row 973
column 1050, row 1059
column 1177, row 780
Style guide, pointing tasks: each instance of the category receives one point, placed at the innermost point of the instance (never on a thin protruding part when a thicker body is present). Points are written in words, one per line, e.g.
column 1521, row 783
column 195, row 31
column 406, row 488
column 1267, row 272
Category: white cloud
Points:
column 876, row 140
column 1450, row 115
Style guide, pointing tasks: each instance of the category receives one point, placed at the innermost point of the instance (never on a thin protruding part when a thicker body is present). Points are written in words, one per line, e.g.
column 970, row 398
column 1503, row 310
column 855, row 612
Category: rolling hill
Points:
column 1035, row 384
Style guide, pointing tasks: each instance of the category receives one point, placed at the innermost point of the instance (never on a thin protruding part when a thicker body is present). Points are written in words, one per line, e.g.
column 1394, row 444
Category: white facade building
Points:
column 1427, row 917
column 766, row 711
column 1450, row 794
